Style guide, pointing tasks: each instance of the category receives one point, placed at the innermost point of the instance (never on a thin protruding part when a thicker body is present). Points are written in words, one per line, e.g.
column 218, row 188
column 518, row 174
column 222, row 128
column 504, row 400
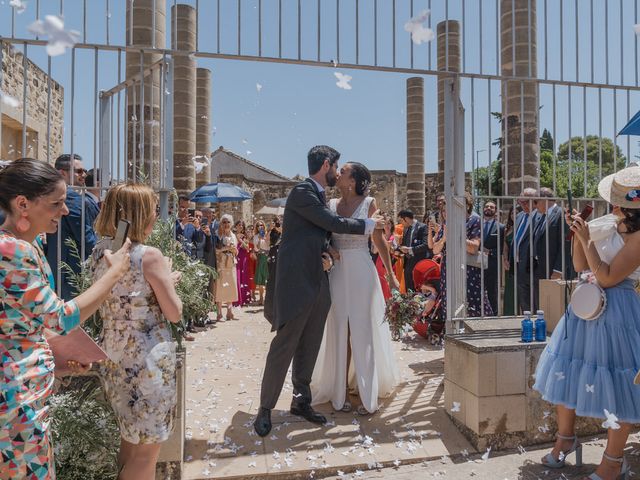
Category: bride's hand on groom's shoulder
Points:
column 327, row 262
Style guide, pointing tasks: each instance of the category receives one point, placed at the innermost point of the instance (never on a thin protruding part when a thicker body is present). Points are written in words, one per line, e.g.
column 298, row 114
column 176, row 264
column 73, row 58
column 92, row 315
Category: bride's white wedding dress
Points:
column 356, row 302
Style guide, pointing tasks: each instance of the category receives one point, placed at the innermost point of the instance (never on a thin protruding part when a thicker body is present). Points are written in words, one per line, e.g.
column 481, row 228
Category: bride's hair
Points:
column 631, row 219
column 362, row 176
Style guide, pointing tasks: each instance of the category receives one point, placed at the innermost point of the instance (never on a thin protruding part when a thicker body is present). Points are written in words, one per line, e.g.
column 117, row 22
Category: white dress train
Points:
column 356, row 302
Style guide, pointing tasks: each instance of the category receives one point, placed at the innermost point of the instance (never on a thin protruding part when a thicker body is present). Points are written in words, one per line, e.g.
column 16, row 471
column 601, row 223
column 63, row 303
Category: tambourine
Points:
column 588, row 301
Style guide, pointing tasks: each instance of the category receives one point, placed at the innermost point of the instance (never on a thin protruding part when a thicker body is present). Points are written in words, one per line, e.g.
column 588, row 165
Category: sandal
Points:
column 346, row 407
column 361, row 410
column 551, row 462
column 625, row 470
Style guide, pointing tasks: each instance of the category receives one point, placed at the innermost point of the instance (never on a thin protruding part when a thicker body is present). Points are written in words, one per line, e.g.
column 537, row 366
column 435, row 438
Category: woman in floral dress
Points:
column 32, row 194
column 140, row 378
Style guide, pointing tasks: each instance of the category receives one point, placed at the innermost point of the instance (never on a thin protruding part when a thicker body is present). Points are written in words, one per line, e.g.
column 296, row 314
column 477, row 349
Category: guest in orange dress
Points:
column 396, row 239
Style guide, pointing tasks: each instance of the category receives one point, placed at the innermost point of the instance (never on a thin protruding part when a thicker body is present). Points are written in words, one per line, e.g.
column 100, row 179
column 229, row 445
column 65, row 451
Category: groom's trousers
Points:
column 298, row 340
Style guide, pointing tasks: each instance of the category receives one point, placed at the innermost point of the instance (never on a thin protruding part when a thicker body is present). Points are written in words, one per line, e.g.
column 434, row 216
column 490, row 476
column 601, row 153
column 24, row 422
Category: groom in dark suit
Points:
column 301, row 299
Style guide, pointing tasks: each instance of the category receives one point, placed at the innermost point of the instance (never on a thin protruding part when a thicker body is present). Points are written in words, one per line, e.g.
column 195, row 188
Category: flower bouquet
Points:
column 401, row 312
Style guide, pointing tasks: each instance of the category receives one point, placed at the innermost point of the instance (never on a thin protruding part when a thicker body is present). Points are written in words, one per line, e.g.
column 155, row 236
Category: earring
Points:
column 23, row 224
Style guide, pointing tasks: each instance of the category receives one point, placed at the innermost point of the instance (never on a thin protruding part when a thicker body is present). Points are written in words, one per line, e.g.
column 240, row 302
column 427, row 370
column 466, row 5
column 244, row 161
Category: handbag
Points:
column 478, row 260
column 588, row 300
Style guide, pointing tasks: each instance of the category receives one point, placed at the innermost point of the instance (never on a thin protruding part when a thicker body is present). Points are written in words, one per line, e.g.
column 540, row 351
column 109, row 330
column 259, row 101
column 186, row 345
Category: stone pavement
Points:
column 224, row 370
column 410, row 438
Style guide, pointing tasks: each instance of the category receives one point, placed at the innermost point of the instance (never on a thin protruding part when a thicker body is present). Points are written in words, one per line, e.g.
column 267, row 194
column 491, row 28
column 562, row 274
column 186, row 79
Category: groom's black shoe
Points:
column 262, row 425
column 305, row 411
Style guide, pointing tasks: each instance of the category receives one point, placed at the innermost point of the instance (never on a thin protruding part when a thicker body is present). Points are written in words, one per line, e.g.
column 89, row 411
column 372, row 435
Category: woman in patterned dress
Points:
column 32, row 194
column 140, row 378
column 261, row 249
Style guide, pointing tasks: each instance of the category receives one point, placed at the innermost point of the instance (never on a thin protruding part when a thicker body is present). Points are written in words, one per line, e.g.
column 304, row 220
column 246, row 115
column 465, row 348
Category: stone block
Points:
column 510, row 373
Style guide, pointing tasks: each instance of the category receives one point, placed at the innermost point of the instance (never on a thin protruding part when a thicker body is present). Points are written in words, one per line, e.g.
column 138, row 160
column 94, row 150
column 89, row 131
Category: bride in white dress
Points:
column 357, row 309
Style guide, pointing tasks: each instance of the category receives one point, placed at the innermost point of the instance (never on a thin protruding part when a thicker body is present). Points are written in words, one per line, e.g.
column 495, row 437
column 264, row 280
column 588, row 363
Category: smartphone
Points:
column 192, row 212
column 121, row 235
column 432, row 218
column 584, row 214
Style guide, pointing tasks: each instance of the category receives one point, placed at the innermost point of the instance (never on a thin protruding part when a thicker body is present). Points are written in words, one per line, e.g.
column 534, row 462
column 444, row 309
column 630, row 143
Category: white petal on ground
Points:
column 485, row 456
column 343, row 80
column 59, row 39
column 455, row 407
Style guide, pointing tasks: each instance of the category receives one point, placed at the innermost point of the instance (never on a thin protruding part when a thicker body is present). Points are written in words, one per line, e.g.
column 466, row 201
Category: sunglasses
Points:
column 78, row 171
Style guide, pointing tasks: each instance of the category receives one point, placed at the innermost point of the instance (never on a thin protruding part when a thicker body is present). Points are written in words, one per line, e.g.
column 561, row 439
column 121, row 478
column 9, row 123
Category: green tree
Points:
column 600, row 161
column 546, row 141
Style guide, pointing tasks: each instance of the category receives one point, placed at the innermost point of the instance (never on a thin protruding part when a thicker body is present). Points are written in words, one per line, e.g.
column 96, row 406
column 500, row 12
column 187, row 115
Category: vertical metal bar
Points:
column 513, row 38
column 546, row 42
column 489, row 140
column 130, row 19
column 108, row 18
column 615, row 129
column 38, row 14
column 197, row 25
column 480, row 38
column 498, row 61
column 375, row 34
column 300, row 32
column 521, row 135
column 529, row 42
column 119, row 116
column 279, row 28
column 635, row 8
column 621, row 27
column 561, row 40
column 410, row 40
column 260, row 28
column 429, row 25
column 505, row 137
column 606, row 40
column 25, row 82
column 1, row 80
column 584, row 138
column 499, row 252
column 592, row 43
column 95, row 107
column 570, row 142
column 464, row 43
column 393, row 30
column 141, row 116
column 217, row 27
column 628, row 136
column 153, row 158
column 577, row 26
column 84, row 21
column 555, row 155
column 473, row 138
column 13, row 22
column 600, row 132
column 239, row 25
column 154, row 26
column 48, row 106
column 446, row 36
column 319, row 28
column 358, row 33
column 134, row 135
column 338, row 31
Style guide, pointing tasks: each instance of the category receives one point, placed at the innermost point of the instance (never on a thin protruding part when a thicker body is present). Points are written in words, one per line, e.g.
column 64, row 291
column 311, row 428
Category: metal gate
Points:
column 580, row 59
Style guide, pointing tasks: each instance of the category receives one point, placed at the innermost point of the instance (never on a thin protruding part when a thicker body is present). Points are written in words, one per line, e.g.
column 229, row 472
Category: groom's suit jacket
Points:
column 300, row 278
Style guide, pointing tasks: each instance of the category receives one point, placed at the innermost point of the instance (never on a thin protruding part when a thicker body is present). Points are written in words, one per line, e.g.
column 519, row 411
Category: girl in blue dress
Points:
column 588, row 367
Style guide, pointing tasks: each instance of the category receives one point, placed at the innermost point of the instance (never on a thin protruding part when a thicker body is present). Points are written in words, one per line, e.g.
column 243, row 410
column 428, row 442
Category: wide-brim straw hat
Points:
column 622, row 188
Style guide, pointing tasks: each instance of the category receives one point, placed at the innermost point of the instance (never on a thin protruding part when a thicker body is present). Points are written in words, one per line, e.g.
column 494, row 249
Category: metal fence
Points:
column 581, row 57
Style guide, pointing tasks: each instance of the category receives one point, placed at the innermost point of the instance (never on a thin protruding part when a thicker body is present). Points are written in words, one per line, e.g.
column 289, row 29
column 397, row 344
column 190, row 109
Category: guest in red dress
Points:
column 242, row 267
column 251, row 267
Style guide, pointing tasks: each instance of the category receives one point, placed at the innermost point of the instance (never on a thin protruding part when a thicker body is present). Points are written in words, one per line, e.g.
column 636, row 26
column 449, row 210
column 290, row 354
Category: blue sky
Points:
column 300, row 106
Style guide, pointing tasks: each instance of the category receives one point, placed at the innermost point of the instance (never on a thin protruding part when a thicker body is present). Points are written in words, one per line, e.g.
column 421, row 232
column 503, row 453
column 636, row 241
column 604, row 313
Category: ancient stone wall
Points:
column 37, row 110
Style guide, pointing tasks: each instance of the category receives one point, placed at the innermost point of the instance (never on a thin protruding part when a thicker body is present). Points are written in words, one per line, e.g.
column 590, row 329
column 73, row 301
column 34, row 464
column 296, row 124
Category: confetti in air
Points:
column 456, row 407
column 19, row 5
column 59, row 39
column 343, row 80
column 611, row 421
column 8, row 100
column 589, row 388
column 419, row 33
column 636, row 28
column 258, row 87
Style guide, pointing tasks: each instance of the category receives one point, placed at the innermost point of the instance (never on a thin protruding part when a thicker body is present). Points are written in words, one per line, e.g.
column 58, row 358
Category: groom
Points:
column 301, row 298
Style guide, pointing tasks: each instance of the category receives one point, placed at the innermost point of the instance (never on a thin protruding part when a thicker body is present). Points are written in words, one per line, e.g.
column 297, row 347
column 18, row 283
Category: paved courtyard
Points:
column 410, row 437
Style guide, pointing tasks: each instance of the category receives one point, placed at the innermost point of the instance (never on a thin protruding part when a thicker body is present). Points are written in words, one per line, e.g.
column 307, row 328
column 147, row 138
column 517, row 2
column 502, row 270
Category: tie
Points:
column 323, row 197
column 522, row 229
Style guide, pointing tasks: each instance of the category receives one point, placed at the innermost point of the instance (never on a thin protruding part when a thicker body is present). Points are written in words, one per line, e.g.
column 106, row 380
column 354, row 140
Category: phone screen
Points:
column 121, row 235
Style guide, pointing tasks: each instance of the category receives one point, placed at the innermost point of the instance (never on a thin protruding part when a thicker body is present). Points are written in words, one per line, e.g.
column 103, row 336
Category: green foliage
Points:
column 84, row 432
column 193, row 288
column 600, row 162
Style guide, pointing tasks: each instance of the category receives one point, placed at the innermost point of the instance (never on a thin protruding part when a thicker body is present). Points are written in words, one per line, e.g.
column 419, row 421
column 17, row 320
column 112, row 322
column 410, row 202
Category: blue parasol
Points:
column 219, row 193
column 633, row 127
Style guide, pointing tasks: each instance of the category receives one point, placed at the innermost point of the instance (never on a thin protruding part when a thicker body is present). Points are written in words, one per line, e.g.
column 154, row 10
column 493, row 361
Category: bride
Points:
column 357, row 341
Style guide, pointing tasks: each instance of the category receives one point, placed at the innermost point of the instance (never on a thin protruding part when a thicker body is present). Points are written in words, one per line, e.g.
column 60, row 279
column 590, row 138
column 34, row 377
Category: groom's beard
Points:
column 331, row 179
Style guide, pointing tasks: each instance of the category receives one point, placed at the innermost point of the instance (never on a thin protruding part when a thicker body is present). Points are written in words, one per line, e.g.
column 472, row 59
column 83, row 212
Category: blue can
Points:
column 541, row 327
column 527, row 328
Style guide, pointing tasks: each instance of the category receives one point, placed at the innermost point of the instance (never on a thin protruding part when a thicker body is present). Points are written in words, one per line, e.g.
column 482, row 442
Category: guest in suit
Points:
column 92, row 183
column 78, row 225
column 548, row 242
column 520, row 258
column 186, row 232
column 414, row 245
column 493, row 235
column 301, row 298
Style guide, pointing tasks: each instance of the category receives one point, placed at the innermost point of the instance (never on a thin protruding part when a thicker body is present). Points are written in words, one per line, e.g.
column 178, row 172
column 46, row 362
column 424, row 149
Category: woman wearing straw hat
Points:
column 588, row 367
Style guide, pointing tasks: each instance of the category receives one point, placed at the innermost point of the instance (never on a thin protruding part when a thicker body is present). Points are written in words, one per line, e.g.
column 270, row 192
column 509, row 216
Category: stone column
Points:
column 449, row 59
column 203, row 123
column 144, row 34
column 519, row 99
column 415, row 145
column 183, row 21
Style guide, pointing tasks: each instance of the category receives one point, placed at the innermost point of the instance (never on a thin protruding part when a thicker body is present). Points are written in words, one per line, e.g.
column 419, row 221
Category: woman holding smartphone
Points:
column 226, row 253
column 140, row 377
